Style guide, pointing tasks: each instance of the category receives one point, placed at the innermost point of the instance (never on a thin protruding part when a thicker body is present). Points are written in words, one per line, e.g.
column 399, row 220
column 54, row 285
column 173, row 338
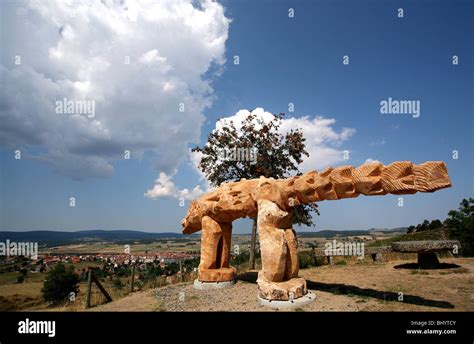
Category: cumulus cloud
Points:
column 322, row 140
column 137, row 60
column 322, row 143
column 165, row 188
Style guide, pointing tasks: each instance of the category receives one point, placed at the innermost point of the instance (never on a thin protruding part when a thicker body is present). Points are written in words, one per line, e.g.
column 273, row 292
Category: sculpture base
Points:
column 216, row 275
column 282, row 291
column 296, row 303
column 212, row 285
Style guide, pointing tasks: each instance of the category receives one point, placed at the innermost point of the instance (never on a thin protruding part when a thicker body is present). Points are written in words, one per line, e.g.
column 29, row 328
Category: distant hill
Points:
column 334, row 233
column 388, row 230
column 56, row 238
column 331, row 234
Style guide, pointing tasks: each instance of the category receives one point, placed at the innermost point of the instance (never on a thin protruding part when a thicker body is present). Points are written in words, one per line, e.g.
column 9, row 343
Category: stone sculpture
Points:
column 426, row 250
column 271, row 201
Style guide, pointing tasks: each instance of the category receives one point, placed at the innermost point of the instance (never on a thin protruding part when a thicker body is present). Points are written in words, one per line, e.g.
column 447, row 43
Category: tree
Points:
column 60, row 281
column 461, row 225
column 21, row 278
column 435, row 224
column 423, row 226
column 276, row 155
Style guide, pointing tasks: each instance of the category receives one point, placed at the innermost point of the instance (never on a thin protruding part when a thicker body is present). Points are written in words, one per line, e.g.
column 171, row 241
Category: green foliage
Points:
column 23, row 272
column 151, row 272
column 461, row 226
column 123, row 271
column 306, row 259
column 61, row 280
column 190, row 264
column 117, row 282
column 278, row 156
column 239, row 259
column 101, row 273
column 425, row 226
column 171, row 269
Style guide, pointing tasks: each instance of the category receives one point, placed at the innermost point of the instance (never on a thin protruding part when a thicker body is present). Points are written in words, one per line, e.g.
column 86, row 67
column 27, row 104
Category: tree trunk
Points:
column 252, row 245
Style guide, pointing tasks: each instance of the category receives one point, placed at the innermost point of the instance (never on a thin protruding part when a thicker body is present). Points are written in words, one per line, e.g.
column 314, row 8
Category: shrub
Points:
column 461, row 225
column 306, row 259
column 61, row 280
column 118, row 283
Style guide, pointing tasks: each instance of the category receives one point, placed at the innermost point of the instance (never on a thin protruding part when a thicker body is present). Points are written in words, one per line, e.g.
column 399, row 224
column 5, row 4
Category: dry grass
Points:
column 353, row 287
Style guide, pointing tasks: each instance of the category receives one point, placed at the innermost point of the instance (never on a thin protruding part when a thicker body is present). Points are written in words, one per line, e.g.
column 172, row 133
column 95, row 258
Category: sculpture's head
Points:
column 192, row 222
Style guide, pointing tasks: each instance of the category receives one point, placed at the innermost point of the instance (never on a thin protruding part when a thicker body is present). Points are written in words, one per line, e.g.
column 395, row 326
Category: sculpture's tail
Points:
column 401, row 177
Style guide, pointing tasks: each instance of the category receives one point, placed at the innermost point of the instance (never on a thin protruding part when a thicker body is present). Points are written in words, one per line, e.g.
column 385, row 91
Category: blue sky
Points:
column 281, row 60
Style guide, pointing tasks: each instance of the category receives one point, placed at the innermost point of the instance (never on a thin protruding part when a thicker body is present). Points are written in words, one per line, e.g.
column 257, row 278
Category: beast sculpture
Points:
column 271, row 201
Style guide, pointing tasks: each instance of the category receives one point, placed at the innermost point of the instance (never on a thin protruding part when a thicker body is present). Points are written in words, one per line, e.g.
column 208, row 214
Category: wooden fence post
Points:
column 132, row 278
column 88, row 291
column 102, row 289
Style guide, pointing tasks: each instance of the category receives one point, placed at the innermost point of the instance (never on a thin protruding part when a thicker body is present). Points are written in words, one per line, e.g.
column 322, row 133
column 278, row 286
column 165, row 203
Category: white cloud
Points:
column 322, row 143
column 165, row 188
column 78, row 49
column 322, row 140
column 152, row 56
column 369, row 161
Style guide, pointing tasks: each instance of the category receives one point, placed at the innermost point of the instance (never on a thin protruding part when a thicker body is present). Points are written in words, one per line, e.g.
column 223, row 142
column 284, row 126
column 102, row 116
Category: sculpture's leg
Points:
column 211, row 234
column 278, row 246
column 292, row 261
column 215, row 251
column 226, row 243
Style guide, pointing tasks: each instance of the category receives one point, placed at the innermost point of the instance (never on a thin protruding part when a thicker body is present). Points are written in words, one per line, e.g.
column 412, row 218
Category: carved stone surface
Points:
column 425, row 246
column 272, row 200
column 283, row 291
column 426, row 250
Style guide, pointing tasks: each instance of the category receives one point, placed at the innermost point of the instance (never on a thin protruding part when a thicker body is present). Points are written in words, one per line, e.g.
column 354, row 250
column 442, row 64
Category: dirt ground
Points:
column 353, row 287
